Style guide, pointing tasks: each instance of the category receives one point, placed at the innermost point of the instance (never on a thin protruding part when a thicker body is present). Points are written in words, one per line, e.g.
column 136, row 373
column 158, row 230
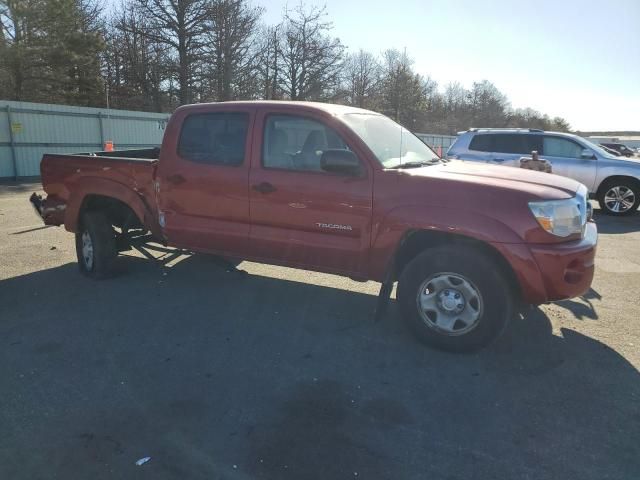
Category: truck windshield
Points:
column 392, row 144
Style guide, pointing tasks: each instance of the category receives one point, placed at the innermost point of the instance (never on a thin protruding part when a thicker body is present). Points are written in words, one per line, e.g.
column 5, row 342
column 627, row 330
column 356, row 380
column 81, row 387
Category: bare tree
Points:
column 454, row 97
column 268, row 63
column 136, row 68
column 559, row 124
column 403, row 95
column 180, row 25
column 530, row 118
column 487, row 104
column 362, row 75
column 311, row 58
column 230, row 47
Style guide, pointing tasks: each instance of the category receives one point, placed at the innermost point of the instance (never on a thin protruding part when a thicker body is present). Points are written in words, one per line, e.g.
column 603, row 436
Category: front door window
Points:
column 297, row 143
column 561, row 147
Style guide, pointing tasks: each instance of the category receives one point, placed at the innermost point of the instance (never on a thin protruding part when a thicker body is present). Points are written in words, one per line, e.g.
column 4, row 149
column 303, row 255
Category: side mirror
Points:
column 587, row 154
column 340, row 161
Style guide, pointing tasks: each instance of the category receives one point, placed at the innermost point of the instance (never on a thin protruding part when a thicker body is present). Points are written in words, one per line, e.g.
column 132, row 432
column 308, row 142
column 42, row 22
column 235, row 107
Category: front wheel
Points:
column 455, row 298
column 96, row 245
column 619, row 197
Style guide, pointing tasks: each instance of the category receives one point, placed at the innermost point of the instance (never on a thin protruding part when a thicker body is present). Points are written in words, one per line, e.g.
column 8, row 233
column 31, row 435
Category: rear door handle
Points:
column 498, row 160
column 176, row 179
column 264, row 187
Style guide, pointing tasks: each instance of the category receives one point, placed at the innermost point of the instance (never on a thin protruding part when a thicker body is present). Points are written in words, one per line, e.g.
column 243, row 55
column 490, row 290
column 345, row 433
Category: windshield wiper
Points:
column 435, row 161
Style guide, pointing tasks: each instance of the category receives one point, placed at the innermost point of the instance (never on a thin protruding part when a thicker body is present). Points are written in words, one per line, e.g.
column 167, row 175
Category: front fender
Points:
column 397, row 222
column 107, row 188
column 617, row 168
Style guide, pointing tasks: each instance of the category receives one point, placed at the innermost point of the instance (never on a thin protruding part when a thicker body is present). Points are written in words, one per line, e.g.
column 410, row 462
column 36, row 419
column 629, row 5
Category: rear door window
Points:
column 214, row 138
column 533, row 142
column 511, row 143
column 561, row 147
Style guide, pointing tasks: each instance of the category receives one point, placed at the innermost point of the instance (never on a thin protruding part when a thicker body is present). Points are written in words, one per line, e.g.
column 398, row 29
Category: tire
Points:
column 455, row 298
column 96, row 245
column 619, row 197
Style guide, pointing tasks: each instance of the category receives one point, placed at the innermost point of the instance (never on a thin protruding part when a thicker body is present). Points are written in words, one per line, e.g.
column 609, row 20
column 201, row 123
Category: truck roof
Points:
column 330, row 108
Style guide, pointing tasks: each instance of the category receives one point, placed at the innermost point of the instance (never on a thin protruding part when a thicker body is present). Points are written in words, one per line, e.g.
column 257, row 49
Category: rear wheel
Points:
column 96, row 245
column 619, row 197
column 455, row 298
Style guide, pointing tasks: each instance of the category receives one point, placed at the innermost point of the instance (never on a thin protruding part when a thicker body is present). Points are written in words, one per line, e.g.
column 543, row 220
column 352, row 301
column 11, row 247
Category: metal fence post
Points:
column 12, row 143
column 102, row 139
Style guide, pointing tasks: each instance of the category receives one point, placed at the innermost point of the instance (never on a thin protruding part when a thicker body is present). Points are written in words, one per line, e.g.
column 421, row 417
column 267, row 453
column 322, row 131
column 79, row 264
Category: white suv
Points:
column 614, row 181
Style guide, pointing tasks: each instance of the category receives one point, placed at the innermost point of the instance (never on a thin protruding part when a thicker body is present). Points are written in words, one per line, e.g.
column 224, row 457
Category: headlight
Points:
column 562, row 217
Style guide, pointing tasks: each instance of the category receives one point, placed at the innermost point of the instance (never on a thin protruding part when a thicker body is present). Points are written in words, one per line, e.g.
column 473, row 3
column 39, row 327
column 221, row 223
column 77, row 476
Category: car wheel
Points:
column 455, row 298
column 96, row 245
column 619, row 197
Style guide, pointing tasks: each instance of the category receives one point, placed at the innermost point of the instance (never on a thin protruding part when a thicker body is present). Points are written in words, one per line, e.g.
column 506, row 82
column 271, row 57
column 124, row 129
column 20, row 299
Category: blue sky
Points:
column 576, row 59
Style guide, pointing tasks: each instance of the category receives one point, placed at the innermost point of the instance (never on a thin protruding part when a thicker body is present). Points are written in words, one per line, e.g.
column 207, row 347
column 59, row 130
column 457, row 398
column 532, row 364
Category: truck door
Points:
column 566, row 159
column 203, row 180
column 301, row 215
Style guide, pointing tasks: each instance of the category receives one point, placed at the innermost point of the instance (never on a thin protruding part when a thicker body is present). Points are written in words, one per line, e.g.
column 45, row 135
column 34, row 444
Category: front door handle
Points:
column 264, row 187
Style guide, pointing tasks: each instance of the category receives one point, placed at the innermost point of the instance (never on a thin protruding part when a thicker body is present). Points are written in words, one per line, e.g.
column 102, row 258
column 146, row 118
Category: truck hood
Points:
column 537, row 184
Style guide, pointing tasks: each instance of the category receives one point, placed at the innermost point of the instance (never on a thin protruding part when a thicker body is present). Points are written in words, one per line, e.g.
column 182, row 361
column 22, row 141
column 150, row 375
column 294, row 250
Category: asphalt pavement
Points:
column 283, row 374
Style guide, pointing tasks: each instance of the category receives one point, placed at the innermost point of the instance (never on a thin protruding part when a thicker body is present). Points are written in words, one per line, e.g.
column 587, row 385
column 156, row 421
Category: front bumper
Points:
column 567, row 268
column 550, row 272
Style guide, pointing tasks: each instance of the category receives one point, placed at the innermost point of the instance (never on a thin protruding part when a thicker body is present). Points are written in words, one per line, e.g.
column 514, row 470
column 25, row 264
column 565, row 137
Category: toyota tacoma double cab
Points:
column 340, row 190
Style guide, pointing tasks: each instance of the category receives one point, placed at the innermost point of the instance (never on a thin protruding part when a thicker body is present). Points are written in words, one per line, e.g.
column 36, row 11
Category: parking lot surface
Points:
column 283, row 374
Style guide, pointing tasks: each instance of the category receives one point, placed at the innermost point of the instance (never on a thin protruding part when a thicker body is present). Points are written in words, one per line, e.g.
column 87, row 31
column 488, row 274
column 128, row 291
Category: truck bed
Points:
column 133, row 154
column 67, row 177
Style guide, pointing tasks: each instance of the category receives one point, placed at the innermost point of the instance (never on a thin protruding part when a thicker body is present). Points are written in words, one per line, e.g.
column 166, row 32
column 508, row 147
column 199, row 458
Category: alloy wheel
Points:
column 619, row 199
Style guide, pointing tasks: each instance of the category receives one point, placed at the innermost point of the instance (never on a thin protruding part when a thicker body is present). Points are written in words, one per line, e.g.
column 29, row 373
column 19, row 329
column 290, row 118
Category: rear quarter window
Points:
column 481, row 143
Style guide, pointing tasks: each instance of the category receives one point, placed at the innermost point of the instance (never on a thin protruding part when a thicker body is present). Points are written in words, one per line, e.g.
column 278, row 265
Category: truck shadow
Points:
column 218, row 374
column 27, row 184
column 582, row 307
column 616, row 225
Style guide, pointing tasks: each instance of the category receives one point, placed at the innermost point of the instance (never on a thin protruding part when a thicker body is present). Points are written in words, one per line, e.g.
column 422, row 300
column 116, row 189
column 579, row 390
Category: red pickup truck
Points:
column 340, row 190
